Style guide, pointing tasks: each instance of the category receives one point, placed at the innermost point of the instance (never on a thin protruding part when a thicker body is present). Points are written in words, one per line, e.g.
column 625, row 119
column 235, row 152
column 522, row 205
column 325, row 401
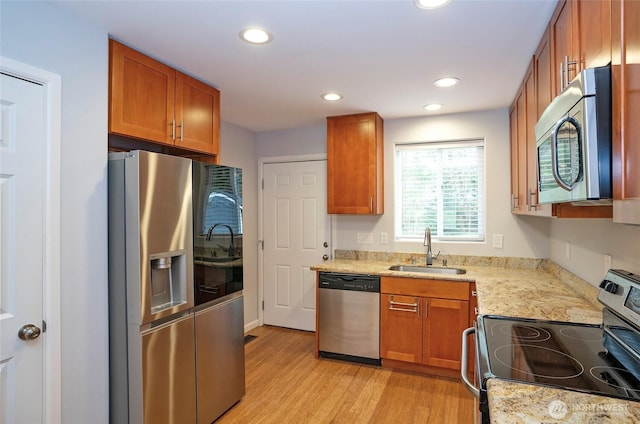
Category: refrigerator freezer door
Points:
column 220, row 358
column 159, row 230
column 168, row 373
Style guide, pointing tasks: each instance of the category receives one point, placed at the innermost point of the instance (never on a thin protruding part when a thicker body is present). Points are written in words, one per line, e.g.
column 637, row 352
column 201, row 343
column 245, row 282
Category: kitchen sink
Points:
column 427, row 269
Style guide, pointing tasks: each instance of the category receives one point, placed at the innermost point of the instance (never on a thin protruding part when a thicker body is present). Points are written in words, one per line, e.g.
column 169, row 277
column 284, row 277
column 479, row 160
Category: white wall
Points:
column 590, row 240
column 523, row 237
column 40, row 35
column 292, row 142
column 238, row 149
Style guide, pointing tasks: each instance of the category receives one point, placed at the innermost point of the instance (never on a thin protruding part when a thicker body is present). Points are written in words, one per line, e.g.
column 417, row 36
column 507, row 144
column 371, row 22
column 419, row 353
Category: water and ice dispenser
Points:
column 168, row 280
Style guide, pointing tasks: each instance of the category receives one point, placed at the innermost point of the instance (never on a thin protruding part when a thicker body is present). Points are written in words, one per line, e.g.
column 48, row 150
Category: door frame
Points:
column 52, row 361
column 261, row 163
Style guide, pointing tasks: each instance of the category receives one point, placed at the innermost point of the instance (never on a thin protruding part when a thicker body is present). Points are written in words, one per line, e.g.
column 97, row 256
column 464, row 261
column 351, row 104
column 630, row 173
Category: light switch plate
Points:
column 498, row 240
column 365, row 238
column 384, row 238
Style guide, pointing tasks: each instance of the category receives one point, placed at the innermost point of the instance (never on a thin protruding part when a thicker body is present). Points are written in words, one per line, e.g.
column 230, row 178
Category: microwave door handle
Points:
column 554, row 154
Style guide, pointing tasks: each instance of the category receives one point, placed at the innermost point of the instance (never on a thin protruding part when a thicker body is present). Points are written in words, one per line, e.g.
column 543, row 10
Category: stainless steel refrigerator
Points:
column 218, row 283
column 152, row 330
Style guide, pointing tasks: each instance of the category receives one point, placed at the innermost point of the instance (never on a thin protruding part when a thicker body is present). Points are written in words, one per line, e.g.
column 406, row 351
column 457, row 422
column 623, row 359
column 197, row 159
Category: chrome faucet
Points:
column 427, row 242
column 231, row 250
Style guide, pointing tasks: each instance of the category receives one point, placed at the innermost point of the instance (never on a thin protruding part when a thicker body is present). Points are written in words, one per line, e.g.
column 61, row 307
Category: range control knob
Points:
column 611, row 287
column 603, row 283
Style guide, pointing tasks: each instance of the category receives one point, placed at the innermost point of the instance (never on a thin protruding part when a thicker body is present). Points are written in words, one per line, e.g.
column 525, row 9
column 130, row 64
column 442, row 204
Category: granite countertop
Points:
column 505, row 286
column 526, row 288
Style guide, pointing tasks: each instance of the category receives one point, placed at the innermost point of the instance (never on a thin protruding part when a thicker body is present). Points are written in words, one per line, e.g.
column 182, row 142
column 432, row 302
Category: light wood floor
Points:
column 285, row 383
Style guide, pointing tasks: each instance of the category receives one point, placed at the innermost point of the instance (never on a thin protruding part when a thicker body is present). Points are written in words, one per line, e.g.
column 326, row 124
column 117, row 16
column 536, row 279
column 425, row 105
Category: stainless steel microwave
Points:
column 573, row 140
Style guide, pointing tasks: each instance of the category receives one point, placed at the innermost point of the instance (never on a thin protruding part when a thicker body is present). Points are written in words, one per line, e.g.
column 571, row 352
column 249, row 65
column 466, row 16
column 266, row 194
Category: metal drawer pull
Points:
column 415, row 310
column 403, row 307
column 464, row 366
column 403, row 304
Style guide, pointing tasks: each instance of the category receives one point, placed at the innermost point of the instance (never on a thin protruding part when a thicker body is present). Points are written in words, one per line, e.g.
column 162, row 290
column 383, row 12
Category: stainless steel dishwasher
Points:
column 349, row 317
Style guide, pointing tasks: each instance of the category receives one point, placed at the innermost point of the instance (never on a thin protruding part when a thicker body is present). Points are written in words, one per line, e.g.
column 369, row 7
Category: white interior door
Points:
column 296, row 231
column 22, row 170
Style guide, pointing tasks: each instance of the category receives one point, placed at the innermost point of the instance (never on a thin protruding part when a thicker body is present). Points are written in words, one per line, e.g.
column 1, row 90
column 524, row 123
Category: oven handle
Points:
column 465, row 362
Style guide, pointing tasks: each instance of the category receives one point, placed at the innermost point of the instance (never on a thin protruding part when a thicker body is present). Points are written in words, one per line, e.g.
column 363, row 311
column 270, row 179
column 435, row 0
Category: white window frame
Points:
column 398, row 147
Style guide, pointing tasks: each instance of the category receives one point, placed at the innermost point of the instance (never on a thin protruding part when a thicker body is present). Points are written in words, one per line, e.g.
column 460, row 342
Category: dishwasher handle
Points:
column 464, row 366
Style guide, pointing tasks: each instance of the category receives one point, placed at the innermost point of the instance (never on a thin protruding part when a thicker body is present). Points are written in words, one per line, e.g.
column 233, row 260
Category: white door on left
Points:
column 22, row 173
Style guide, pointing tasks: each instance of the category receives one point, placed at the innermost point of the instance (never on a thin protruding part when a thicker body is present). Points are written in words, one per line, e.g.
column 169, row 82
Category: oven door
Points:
column 480, row 402
column 561, row 159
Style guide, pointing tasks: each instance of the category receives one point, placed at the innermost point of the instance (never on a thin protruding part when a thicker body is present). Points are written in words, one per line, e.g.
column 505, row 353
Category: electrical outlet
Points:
column 608, row 260
column 365, row 238
column 498, row 240
column 567, row 250
column 384, row 238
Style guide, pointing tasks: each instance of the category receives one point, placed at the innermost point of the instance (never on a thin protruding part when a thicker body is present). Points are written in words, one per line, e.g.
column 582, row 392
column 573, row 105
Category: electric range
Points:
column 596, row 359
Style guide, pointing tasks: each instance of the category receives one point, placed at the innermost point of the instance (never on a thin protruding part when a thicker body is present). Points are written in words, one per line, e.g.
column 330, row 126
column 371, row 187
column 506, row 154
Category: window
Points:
column 440, row 185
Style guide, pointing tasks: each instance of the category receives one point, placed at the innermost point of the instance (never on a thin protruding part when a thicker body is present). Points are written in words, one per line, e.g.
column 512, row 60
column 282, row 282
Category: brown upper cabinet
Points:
column 578, row 36
column 594, row 20
column 626, row 109
column 355, row 164
column 151, row 101
column 523, row 116
column 564, row 44
column 543, row 74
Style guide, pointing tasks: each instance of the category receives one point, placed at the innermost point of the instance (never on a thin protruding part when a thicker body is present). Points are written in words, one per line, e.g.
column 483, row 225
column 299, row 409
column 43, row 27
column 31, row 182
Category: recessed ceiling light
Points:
column 431, row 4
column 332, row 97
column 255, row 36
column 446, row 82
column 433, row 106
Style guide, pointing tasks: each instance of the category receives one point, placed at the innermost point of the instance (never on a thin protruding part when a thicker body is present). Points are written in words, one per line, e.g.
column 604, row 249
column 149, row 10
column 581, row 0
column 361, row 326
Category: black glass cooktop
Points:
column 552, row 353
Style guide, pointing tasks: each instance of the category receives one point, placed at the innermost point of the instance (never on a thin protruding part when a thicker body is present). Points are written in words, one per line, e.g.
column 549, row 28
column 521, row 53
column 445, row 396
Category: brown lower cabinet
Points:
column 421, row 321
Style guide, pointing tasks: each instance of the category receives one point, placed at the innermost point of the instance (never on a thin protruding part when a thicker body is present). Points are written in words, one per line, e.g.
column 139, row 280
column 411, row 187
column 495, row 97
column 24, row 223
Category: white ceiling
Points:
column 381, row 55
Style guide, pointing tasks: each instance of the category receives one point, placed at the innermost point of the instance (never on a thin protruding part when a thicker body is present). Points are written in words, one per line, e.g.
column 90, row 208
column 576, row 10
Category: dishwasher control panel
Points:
column 355, row 282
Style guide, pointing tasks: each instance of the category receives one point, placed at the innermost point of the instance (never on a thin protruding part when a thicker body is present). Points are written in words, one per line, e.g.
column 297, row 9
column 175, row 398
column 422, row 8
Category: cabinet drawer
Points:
column 442, row 289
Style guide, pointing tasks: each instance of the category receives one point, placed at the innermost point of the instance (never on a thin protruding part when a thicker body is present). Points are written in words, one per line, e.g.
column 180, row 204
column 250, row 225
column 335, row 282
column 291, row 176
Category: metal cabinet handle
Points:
column 29, row 332
column 403, row 307
column 561, row 79
column 566, row 70
column 464, row 366
column 529, row 194
column 181, row 126
column 514, row 201
column 173, row 129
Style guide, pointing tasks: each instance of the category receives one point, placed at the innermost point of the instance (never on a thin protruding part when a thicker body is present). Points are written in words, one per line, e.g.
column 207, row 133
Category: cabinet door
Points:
column 595, row 32
column 354, row 164
column 141, row 95
column 443, row 323
column 563, row 30
column 543, row 74
column 532, row 207
column 513, row 147
column 400, row 328
column 518, row 127
column 626, row 109
column 197, row 115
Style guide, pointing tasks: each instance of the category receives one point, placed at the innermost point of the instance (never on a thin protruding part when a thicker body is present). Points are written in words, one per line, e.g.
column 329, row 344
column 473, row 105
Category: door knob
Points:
column 325, row 244
column 325, row 257
column 29, row 332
